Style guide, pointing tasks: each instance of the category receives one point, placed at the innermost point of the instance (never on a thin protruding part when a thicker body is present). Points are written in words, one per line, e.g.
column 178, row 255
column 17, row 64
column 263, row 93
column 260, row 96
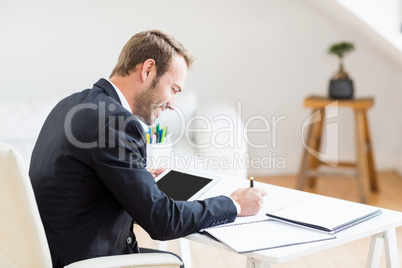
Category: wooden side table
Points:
column 364, row 168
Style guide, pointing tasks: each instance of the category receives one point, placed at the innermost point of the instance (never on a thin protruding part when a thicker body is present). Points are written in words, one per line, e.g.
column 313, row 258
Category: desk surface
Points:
column 279, row 197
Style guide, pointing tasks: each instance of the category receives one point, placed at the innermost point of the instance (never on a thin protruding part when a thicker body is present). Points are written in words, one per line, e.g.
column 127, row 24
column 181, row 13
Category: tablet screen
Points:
column 181, row 186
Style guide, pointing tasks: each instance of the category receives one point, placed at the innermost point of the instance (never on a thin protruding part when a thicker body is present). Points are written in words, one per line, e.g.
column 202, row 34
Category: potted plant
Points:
column 341, row 86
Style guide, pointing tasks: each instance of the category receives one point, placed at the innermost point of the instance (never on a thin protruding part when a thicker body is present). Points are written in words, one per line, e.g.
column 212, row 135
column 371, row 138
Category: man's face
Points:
column 160, row 94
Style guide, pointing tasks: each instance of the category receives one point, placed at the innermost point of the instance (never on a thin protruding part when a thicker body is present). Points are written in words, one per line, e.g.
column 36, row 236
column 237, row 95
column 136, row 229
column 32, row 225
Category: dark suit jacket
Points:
column 90, row 182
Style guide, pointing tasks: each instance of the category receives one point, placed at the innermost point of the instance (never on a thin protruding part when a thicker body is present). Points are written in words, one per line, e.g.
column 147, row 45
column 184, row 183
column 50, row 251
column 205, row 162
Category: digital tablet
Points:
column 184, row 186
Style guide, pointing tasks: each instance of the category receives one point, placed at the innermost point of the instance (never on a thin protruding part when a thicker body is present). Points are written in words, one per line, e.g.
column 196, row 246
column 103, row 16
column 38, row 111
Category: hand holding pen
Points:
column 250, row 199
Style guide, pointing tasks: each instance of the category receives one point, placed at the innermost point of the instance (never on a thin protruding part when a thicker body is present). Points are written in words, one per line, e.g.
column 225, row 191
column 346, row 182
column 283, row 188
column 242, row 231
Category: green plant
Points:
column 340, row 50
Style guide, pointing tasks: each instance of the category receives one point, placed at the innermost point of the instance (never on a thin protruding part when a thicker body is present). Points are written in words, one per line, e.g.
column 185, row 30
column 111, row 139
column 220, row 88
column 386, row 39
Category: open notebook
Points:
column 262, row 234
column 325, row 214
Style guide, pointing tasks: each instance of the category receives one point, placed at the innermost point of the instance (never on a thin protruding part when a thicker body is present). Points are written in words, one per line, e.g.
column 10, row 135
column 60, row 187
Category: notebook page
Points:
column 264, row 235
column 326, row 212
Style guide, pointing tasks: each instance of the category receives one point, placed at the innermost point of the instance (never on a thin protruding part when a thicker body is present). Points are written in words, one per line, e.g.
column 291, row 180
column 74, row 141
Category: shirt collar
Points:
column 123, row 99
column 125, row 104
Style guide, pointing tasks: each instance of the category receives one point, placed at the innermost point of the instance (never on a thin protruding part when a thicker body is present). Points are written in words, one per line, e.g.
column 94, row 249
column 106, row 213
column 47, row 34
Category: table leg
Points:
column 163, row 245
column 311, row 148
column 315, row 145
column 388, row 238
column 391, row 248
column 370, row 156
column 254, row 263
column 375, row 250
column 362, row 160
column 185, row 252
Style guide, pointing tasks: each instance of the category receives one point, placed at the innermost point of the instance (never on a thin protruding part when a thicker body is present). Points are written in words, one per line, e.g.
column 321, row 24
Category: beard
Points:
column 146, row 108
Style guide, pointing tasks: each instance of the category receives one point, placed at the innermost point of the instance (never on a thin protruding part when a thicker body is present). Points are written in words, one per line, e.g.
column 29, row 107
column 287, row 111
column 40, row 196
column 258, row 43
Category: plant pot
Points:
column 341, row 89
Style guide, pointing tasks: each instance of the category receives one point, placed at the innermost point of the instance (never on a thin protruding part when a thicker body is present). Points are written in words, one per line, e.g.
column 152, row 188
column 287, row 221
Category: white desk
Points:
column 381, row 229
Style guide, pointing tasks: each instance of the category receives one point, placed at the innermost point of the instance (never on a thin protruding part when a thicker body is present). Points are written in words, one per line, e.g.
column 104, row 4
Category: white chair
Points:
column 23, row 241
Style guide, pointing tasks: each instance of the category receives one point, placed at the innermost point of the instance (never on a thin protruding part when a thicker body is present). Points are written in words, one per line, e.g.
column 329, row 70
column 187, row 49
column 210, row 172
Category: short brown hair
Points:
column 154, row 45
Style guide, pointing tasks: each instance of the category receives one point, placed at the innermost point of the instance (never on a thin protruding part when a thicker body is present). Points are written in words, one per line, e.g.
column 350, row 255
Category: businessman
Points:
column 88, row 167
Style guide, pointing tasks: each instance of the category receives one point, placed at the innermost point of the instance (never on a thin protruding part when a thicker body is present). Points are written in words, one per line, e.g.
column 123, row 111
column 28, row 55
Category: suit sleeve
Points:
column 121, row 166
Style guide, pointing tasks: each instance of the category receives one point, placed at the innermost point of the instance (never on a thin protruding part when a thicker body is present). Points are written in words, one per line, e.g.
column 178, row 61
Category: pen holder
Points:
column 159, row 154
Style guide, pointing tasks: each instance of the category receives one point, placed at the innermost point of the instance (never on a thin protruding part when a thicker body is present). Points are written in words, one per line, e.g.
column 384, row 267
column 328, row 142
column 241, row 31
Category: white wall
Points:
column 267, row 54
column 383, row 16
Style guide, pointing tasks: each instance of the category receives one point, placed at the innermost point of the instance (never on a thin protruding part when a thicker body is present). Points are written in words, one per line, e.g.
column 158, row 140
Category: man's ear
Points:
column 148, row 67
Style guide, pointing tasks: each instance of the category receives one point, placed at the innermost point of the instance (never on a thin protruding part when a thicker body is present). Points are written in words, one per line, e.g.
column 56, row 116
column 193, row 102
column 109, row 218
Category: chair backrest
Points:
column 23, row 241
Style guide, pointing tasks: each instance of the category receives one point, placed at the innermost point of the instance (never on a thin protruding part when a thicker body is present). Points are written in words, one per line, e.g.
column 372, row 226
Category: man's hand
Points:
column 155, row 171
column 249, row 199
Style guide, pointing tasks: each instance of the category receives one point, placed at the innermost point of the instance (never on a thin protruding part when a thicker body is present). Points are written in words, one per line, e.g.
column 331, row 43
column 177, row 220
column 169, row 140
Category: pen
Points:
column 163, row 134
column 251, row 181
column 148, row 138
column 160, row 135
